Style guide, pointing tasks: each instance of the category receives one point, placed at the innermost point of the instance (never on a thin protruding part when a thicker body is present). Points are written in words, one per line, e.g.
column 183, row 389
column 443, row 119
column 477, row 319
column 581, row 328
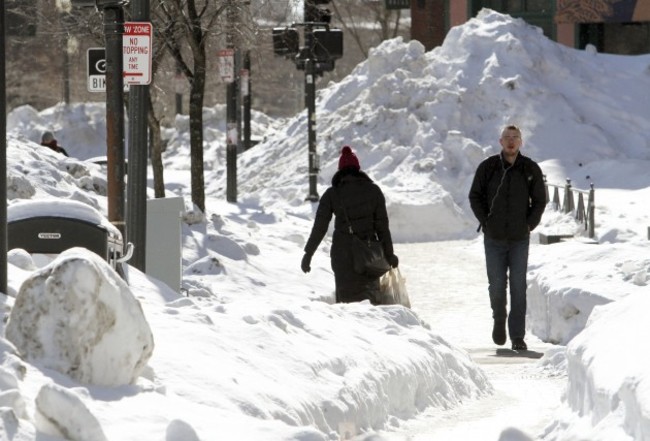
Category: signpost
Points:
column 227, row 65
column 136, row 58
column 136, row 50
column 96, row 69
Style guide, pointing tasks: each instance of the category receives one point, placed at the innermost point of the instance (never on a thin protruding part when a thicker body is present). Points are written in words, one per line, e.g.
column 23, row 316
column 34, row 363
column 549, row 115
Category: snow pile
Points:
column 346, row 364
column 80, row 139
column 36, row 172
column 78, row 317
column 62, row 413
column 609, row 381
column 560, row 302
column 420, row 122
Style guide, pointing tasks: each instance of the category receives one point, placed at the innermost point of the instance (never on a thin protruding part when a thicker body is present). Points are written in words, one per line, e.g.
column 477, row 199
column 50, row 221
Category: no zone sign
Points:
column 136, row 52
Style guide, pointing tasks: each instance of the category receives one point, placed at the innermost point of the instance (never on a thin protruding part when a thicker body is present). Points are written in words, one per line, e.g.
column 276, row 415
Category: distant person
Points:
column 508, row 199
column 366, row 208
column 48, row 140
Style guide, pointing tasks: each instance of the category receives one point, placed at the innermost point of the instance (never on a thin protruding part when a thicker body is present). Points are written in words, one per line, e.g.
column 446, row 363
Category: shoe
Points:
column 499, row 332
column 518, row 344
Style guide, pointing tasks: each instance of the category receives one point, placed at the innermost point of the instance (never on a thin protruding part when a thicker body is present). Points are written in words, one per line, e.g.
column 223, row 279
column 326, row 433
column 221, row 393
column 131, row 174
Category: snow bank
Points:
column 567, row 281
column 609, row 382
column 385, row 365
column 78, row 317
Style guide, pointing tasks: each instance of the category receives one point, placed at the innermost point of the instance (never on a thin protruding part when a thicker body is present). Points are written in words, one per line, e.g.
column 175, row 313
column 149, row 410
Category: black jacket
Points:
column 365, row 205
column 508, row 200
column 366, row 209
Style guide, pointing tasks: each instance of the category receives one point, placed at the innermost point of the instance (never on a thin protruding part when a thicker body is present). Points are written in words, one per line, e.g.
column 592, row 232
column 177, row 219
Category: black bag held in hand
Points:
column 367, row 255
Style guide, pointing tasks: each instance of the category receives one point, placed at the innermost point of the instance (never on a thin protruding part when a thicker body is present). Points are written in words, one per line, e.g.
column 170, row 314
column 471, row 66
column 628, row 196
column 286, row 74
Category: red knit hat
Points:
column 348, row 159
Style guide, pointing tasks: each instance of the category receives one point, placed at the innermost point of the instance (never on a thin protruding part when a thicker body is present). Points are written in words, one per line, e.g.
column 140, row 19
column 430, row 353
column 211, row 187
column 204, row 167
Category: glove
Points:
column 305, row 264
column 393, row 260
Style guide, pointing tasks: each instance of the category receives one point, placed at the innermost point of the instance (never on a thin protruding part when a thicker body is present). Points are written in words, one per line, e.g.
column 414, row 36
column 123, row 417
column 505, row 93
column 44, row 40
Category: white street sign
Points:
column 227, row 65
column 136, row 52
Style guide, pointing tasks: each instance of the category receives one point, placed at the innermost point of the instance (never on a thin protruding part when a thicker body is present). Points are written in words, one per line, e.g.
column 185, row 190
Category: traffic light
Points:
column 328, row 44
column 314, row 13
column 285, row 41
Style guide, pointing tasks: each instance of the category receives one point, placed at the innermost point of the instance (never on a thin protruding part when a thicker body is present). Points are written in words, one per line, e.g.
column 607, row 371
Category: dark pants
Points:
column 508, row 260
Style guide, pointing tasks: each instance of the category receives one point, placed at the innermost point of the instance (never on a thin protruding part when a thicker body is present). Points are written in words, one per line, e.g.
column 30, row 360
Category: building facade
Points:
column 612, row 26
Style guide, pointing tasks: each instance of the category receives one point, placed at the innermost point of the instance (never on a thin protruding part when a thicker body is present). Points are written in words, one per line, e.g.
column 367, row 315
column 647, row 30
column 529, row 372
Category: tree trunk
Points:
column 156, row 152
column 197, row 92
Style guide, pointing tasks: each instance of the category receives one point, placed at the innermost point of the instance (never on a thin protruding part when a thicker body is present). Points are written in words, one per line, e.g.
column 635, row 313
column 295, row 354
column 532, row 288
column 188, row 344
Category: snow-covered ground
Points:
column 257, row 351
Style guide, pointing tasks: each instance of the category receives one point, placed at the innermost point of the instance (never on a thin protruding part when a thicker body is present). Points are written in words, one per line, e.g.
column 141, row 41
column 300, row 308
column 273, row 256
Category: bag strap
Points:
column 345, row 212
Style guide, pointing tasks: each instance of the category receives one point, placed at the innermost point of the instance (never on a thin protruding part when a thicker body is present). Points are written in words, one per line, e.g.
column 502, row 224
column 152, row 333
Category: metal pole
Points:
column 66, row 72
column 179, row 94
column 310, row 98
column 310, row 103
column 546, row 189
column 136, row 220
column 567, row 208
column 3, row 156
column 231, row 143
column 65, row 20
column 591, row 204
column 232, row 136
column 238, row 97
column 113, row 31
column 247, row 101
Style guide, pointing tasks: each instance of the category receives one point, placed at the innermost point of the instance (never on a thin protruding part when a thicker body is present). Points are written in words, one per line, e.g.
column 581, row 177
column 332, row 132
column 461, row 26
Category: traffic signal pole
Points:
column 323, row 45
column 246, row 99
column 310, row 103
column 4, row 241
column 232, row 133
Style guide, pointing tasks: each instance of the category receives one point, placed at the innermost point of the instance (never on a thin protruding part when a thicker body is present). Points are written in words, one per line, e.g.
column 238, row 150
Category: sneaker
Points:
column 518, row 344
column 499, row 332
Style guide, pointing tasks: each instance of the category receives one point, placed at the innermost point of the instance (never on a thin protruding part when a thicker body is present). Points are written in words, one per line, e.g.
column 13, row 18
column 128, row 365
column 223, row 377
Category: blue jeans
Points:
column 508, row 260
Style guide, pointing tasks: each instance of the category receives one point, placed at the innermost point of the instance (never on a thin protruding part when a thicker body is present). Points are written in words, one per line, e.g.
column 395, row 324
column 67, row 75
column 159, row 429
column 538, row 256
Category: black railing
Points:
column 583, row 214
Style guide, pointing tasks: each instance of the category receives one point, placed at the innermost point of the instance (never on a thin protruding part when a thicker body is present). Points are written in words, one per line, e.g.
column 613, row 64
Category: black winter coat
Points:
column 508, row 199
column 366, row 208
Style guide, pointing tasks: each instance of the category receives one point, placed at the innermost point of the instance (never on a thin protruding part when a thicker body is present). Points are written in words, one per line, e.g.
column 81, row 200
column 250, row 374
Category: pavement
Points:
column 447, row 285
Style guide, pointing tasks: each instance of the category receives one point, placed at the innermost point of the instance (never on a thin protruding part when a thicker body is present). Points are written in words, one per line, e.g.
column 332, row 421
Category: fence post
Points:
column 592, row 211
column 556, row 198
column 546, row 188
column 568, row 197
column 580, row 211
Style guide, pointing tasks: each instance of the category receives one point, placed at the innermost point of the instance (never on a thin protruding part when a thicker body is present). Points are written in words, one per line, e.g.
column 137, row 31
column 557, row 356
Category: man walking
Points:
column 508, row 199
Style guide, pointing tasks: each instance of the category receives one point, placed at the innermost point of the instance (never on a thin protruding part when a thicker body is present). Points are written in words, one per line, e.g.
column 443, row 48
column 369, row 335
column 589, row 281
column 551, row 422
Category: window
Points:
column 536, row 12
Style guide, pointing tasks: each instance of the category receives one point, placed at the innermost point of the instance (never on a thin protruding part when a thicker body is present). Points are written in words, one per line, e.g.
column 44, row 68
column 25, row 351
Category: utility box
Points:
column 163, row 256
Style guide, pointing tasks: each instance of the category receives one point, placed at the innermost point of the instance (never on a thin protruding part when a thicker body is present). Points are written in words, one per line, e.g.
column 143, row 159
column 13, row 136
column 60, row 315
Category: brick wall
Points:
column 428, row 22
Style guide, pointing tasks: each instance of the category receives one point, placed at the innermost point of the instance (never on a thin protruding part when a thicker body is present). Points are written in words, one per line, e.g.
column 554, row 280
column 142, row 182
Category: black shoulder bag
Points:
column 367, row 255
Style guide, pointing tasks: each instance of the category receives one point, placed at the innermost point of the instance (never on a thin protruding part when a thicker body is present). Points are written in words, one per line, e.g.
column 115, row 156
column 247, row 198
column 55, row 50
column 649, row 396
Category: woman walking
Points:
column 357, row 204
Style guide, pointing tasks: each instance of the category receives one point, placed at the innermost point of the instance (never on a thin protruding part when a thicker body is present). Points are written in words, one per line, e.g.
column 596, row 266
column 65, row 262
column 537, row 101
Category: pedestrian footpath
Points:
column 448, row 289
